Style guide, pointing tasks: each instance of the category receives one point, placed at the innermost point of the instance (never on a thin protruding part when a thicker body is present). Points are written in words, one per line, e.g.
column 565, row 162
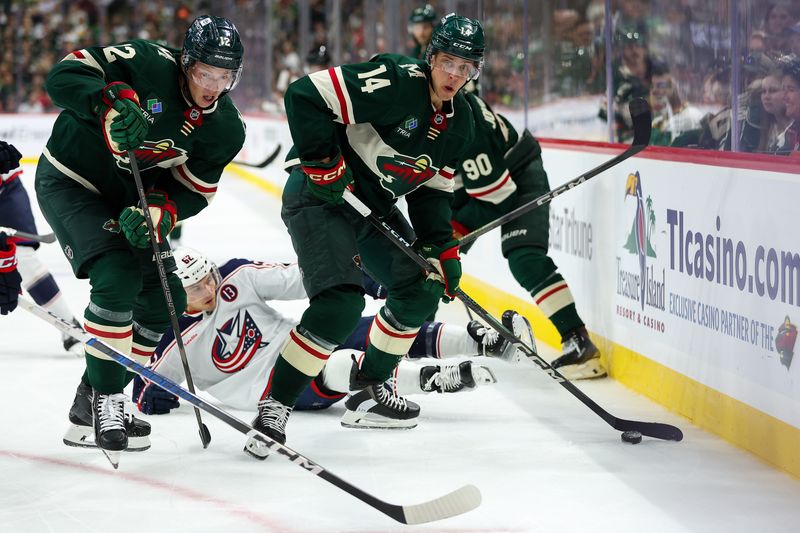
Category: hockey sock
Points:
column 301, row 358
column 389, row 341
column 111, row 327
column 537, row 273
column 407, row 378
column 40, row 284
column 440, row 340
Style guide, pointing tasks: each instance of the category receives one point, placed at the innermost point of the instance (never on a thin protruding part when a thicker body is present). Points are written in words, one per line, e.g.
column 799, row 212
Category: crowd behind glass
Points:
column 699, row 62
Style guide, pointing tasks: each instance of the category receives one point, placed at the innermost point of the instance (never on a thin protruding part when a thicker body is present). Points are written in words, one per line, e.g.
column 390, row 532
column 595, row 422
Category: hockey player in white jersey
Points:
column 232, row 337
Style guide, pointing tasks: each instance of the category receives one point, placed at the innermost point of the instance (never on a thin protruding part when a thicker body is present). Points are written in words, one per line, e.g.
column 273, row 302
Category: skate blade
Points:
column 254, row 450
column 482, row 375
column 356, row 421
column 591, row 369
column 112, row 456
column 83, row 437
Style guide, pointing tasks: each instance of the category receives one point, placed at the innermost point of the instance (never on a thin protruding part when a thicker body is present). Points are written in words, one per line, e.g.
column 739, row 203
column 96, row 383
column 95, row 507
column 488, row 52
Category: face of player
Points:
column 791, row 97
column 206, row 83
column 202, row 296
column 449, row 74
column 772, row 95
column 422, row 31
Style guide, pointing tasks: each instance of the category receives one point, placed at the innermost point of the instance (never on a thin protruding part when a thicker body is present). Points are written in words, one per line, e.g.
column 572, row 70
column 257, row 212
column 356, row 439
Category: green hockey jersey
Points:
column 484, row 186
column 186, row 148
column 379, row 116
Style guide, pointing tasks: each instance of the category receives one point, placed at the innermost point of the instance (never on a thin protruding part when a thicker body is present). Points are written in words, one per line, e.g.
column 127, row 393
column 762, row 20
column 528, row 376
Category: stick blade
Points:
column 650, row 429
column 454, row 503
column 642, row 121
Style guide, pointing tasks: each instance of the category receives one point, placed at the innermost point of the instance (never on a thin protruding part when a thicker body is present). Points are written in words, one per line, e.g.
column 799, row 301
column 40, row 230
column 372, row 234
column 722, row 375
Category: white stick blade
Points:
column 455, row 503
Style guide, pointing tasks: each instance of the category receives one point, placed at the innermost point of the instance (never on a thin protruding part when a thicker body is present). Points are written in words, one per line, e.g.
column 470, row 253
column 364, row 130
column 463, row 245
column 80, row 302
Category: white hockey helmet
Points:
column 192, row 266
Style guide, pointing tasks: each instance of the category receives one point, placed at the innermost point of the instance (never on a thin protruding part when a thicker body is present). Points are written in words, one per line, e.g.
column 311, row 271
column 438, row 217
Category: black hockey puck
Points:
column 632, row 437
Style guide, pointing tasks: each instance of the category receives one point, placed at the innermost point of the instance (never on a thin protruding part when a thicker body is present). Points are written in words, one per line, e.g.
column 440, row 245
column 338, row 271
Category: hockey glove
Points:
column 9, row 157
column 10, row 279
column 163, row 211
column 124, row 124
column 328, row 181
column 447, row 265
column 152, row 399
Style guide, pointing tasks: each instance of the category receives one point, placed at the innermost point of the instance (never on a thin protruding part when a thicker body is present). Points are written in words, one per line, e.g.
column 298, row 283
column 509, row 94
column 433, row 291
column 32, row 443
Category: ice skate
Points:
column 454, row 378
column 270, row 420
column 378, row 406
column 81, row 433
column 521, row 328
column 580, row 358
column 108, row 412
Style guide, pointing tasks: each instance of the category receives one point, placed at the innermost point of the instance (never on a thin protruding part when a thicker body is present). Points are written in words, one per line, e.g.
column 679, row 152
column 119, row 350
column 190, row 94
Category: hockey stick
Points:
column 11, row 232
column 454, row 503
column 642, row 123
column 205, row 435
column 264, row 163
column 651, row 429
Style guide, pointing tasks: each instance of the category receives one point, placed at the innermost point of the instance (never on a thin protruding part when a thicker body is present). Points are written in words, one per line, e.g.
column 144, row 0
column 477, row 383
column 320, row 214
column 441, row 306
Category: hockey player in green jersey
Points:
column 389, row 128
column 171, row 108
column 500, row 172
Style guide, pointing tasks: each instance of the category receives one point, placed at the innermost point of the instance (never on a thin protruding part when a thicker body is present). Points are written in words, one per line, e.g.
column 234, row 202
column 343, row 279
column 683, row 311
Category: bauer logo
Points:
column 637, row 278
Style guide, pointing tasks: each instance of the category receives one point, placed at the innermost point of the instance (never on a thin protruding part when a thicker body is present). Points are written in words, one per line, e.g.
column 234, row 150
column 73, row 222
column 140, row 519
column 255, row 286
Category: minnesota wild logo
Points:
column 411, row 171
column 150, row 154
column 111, row 225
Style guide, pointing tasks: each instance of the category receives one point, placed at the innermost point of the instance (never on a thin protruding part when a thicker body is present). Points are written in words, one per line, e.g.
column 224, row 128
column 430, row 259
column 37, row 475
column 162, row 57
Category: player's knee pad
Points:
column 411, row 305
column 115, row 280
column 531, row 266
column 334, row 313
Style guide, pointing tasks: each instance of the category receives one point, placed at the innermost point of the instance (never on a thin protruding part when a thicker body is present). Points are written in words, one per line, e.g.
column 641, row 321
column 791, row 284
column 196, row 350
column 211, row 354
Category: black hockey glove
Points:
column 10, row 280
column 152, row 399
column 9, row 157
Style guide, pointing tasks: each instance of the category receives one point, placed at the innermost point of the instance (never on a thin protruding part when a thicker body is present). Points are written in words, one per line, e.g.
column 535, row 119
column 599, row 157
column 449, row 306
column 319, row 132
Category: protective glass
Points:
column 212, row 78
column 462, row 69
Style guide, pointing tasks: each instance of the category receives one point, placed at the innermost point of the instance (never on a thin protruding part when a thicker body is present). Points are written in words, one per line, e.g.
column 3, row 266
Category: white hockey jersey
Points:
column 231, row 350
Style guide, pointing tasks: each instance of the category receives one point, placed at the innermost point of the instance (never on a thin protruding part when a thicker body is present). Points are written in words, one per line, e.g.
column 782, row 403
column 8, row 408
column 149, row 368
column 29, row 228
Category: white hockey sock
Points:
column 39, row 283
column 454, row 341
column 336, row 373
column 407, row 375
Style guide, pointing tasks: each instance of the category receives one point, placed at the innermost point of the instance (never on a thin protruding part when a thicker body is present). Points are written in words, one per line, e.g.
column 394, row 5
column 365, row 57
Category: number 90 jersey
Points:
column 379, row 116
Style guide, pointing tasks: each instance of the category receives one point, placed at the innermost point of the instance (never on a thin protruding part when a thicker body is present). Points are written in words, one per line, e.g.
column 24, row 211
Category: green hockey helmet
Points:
column 461, row 37
column 214, row 41
column 422, row 14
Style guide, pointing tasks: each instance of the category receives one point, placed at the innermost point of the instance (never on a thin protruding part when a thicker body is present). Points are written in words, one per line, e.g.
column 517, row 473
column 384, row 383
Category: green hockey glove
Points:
column 447, row 265
column 163, row 211
column 328, row 181
column 124, row 124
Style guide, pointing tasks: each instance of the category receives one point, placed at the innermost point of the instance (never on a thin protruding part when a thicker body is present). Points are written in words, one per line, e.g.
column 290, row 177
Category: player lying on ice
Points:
column 232, row 337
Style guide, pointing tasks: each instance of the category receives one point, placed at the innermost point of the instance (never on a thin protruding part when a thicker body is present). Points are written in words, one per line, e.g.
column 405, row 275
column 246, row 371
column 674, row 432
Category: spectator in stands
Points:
column 794, row 40
column 774, row 121
column 671, row 115
column 631, row 77
column 420, row 27
column 790, row 84
column 778, row 21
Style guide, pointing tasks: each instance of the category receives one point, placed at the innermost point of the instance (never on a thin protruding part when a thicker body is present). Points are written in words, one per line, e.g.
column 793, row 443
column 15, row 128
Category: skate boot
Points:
column 377, row 405
column 81, row 435
column 454, row 378
column 271, row 421
column 521, row 328
column 580, row 358
column 108, row 412
column 72, row 345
